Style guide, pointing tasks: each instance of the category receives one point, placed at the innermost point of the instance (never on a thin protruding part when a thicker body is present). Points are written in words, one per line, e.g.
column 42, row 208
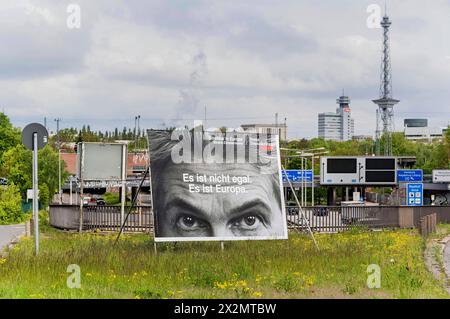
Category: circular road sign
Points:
column 27, row 135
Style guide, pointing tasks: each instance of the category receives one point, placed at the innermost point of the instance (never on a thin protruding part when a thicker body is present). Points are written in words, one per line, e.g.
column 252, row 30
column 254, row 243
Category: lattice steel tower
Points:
column 385, row 112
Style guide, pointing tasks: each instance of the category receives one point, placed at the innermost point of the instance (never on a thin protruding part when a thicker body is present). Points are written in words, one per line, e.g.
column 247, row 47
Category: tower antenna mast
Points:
column 385, row 118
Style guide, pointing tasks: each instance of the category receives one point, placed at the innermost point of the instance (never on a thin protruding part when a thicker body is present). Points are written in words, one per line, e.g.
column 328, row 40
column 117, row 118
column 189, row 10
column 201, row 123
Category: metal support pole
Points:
column 80, row 227
column 59, row 161
column 301, row 183
column 305, row 187
column 138, row 132
column 124, row 186
column 70, row 191
column 312, row 183
column 35, row 193
column 300, row 210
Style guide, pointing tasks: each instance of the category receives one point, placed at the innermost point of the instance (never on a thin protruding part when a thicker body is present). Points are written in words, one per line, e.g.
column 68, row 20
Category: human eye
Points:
column 190, row 224
column 247, row 224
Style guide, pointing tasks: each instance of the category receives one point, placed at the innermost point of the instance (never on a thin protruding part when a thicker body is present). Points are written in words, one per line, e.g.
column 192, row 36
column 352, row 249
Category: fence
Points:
column 105, row 218
column 340, row 218
column 427, row 224
column 320, row 219
column 108, row 218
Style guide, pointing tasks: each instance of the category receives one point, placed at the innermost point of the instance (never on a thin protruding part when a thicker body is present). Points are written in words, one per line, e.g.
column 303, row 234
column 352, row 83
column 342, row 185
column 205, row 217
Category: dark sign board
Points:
column 385, row 177
column 341, row 165
column 380, row 163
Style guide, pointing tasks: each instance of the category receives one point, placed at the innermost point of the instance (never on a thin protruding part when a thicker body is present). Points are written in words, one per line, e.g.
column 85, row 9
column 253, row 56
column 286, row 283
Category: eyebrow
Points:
column 188, row 206
column 200, row 213
column 249, row 205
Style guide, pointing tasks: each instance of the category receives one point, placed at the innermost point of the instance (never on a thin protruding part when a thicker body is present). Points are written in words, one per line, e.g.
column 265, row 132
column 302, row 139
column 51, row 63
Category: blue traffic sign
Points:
column 414, row 194
column 295, row 176
column 409, row 176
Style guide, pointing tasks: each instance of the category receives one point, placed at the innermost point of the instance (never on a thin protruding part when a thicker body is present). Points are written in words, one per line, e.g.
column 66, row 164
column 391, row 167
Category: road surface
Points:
column 9, row 232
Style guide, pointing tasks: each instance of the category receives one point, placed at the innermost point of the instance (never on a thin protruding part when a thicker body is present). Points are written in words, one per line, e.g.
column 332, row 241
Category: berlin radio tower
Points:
column 385, row 112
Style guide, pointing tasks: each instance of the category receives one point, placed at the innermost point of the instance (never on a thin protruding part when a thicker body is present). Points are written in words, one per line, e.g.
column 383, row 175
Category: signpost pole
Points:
column 35, row 137
column 302, row 200
column 35, row 192
column 124, row 191
column 305, row 196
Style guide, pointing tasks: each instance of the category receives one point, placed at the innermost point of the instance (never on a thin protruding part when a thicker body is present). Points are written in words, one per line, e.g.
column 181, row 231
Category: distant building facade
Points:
column 274, row 129
column 339, row 126
column 361, row 138
column 418, row 130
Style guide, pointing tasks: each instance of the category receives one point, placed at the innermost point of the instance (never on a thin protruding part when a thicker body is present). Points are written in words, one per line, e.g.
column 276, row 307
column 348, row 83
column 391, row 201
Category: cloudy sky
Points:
column 243, row 60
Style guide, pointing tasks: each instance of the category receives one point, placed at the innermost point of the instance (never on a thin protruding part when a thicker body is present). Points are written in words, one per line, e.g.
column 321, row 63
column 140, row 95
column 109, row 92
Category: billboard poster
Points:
column 216, row 186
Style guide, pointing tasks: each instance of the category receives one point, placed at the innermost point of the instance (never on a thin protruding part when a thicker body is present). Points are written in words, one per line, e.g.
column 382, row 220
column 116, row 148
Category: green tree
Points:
column 9, row 136
column 17, row 165
column 10, row 205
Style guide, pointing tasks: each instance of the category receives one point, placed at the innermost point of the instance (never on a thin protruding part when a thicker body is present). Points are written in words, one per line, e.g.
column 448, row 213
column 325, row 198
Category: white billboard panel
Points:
column 101, row 161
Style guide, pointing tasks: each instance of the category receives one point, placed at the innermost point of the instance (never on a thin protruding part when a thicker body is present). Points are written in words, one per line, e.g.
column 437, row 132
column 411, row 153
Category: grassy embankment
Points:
column 270, row 269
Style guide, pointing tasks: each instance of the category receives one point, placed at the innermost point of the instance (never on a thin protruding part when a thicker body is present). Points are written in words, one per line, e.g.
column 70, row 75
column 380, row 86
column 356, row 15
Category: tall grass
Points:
column 269, row 269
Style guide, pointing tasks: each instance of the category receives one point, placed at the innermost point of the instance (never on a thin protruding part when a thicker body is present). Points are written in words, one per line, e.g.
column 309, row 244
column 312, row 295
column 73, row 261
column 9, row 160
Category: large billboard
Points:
column 216, row 186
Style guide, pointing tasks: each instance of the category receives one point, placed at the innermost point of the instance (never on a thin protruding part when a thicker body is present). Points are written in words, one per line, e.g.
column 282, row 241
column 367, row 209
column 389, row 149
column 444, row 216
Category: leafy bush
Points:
column 10, row 205
column 44, row 195
column 111, row 198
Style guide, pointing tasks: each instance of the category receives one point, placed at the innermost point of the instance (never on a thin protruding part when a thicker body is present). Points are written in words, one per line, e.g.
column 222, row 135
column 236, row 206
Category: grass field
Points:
column 270, row 269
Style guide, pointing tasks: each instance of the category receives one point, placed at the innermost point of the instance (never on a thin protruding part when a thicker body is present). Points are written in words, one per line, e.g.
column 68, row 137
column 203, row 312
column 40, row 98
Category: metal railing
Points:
column 341, row 218
column 108, row 218
column 320, row 218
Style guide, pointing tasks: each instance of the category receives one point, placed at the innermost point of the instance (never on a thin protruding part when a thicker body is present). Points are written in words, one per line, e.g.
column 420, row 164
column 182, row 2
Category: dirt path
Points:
column 10, row 232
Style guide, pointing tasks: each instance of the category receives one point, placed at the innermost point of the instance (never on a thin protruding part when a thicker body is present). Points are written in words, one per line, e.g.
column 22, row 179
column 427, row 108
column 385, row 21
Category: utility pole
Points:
column 135, row 133
column 57, row 120
column 139, row 131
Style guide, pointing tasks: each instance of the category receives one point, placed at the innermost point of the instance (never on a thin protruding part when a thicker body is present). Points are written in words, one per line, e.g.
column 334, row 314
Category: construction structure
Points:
column 385, row 111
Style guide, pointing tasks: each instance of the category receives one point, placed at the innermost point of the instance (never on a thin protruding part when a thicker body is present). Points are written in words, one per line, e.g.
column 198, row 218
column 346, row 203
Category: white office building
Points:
column 418, row 130
column 339, row 126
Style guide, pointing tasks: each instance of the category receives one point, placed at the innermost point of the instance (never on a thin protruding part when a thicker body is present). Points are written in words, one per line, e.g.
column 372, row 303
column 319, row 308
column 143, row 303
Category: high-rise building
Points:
column 339, row 126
